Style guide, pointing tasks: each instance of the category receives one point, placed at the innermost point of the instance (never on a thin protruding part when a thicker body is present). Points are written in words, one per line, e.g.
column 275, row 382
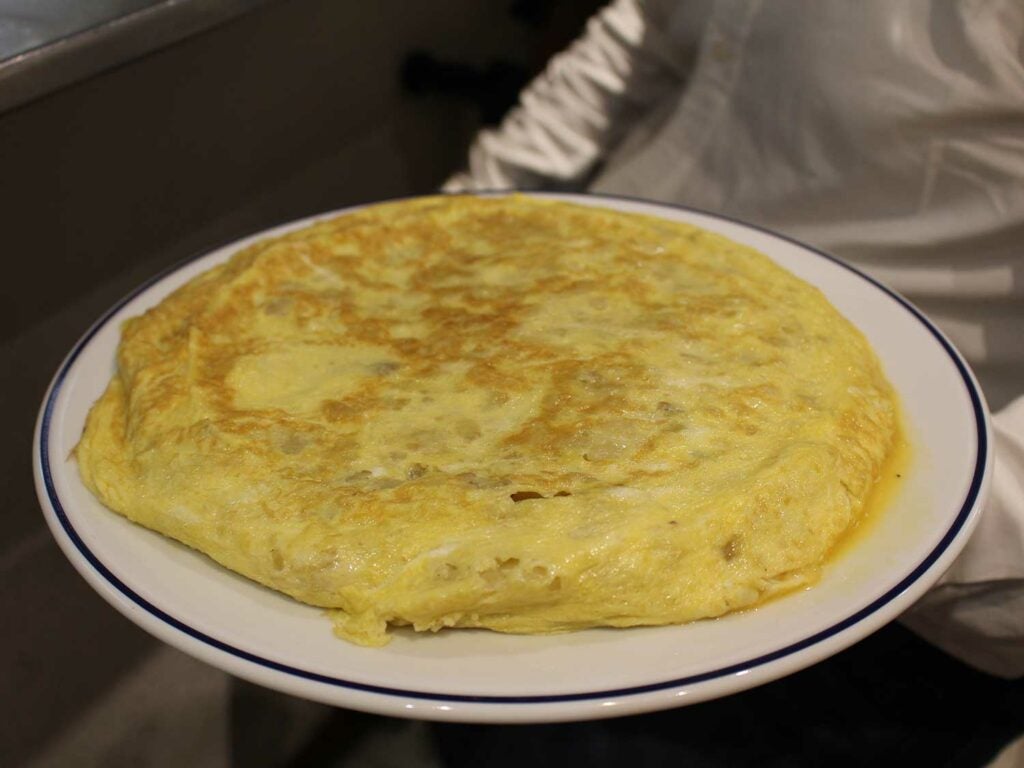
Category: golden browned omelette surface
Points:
column 496, row 412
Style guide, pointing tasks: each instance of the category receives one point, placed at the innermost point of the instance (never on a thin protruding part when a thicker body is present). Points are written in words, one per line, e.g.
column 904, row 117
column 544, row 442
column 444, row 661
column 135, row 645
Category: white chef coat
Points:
column 888, row 133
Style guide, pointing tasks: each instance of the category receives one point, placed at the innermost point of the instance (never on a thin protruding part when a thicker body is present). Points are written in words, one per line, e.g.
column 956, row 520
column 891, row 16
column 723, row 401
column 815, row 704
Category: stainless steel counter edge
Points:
column 41, row 70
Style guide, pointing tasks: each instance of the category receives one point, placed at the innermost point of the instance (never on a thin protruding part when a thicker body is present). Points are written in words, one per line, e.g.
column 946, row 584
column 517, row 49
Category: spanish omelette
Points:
column 496, row 412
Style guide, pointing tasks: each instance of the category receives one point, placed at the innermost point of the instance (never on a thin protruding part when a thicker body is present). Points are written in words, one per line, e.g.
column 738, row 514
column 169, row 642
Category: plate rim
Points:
column 860, row 619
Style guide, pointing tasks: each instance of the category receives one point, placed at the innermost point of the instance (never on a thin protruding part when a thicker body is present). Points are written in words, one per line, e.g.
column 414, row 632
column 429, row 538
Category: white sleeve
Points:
column 570, row 115
column 976, row 612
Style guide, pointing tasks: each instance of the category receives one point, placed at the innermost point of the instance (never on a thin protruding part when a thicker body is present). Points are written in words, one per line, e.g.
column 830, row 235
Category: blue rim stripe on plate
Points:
column 929, row 560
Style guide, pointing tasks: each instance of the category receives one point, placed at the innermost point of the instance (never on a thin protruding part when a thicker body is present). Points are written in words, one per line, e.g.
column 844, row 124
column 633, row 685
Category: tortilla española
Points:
column 498, row 412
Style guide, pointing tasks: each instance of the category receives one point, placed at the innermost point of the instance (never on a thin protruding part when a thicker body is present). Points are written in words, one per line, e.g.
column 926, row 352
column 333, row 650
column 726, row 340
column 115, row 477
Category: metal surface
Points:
column 75, row 53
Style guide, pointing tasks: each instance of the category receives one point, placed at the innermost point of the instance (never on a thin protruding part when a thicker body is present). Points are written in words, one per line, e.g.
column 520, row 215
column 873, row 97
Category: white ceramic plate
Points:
column 188, row 601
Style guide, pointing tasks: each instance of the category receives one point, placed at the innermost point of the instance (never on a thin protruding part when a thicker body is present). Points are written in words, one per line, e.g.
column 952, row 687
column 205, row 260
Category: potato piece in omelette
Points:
column 496, row 412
